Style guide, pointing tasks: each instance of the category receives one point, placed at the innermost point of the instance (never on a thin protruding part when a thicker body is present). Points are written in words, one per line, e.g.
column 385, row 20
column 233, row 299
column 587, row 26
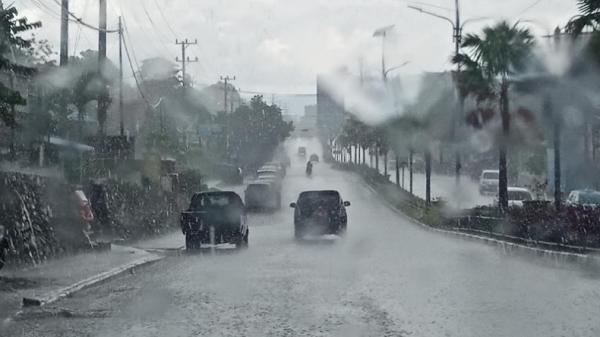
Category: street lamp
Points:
column 382, row 32
column 457, row 29
column 385, row 73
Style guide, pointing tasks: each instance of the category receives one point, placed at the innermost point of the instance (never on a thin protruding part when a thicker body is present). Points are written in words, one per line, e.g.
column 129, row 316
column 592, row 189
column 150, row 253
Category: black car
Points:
column 319, row 213
column 262, row 195
column 222, row 213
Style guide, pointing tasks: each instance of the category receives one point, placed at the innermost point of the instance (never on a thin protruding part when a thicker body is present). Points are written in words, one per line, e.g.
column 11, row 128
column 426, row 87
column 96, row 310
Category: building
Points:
column 331, row 114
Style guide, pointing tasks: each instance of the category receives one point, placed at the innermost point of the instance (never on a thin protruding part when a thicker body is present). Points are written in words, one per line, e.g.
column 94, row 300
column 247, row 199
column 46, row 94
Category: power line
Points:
column 42, row 7
column 79, row 33
column 126, row 35
column 137, row 83
column 535, row 3
column 159, row 34
column 150, row 43
column 160, row 10
column 85, row 24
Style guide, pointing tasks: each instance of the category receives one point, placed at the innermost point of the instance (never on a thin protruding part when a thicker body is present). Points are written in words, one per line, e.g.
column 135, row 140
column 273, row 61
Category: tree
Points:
column 499, row 52
column 10, row 28
column 254, row 131
column 589, row 17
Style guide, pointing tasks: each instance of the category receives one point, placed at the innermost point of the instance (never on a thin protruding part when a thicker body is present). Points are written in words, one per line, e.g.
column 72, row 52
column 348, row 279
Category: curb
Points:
column 91, row 281
column 506, row 246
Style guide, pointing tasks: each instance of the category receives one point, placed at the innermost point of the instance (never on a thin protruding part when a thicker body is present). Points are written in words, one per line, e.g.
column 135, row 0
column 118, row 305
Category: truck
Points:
column 215, row 217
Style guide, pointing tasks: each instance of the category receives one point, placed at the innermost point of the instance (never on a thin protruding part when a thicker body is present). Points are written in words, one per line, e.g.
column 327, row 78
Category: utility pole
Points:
column 103, row 97
column 121, row 113
column 185, row 59
column 457, row 31
column 64, row 33
column 226, row 80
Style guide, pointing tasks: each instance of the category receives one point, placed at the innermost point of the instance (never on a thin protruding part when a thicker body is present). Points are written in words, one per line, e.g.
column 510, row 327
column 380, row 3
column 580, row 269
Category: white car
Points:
column 589, row 198
column 517, row 195
column 488, row 182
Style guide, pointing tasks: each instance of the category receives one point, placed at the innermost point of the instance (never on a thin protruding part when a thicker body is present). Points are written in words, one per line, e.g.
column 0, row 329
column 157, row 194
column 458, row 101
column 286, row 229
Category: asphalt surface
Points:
column 387, row 277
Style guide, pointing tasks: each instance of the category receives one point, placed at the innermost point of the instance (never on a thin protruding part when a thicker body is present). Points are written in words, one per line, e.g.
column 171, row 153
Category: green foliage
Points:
column 255, row 131
column 500, row 51
column 589, row 17
column 10, row 41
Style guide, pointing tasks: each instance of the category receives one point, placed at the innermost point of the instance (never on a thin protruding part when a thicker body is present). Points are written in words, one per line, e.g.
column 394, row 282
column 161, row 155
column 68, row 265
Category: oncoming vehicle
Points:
column 319, row 213
column 588, row 198
column 517, row 195
column 262, row 195
column 215, row 218
column 302, row 151
column 279, row 166
column 488, row 182
column 314, row 157
column 269, row 172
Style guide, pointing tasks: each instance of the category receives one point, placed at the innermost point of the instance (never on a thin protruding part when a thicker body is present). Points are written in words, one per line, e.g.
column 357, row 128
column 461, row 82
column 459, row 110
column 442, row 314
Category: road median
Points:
column 436, row 219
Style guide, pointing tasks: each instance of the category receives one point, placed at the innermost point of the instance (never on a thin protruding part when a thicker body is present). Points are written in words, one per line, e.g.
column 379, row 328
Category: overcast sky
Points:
column 280, row 45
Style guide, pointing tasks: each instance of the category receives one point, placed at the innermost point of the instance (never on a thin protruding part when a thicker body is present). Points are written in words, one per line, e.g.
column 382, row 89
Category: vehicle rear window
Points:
column 257, row 188
column 310, row 200
column 213, row 200
column 491, row 175
column 519, row 196
column 589, row 198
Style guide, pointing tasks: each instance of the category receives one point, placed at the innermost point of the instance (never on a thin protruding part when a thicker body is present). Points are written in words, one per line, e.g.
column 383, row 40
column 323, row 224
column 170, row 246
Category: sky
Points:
column 279, row 46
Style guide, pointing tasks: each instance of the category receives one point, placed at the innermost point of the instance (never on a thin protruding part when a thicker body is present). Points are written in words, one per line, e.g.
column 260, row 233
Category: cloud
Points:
column 283, row 44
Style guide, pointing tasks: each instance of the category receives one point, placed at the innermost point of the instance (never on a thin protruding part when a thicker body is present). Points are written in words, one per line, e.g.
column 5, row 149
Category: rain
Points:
column 284, row 168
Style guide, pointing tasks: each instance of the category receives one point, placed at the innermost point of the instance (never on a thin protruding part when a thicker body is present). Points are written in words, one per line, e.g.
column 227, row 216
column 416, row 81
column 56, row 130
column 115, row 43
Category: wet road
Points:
column 386, row 278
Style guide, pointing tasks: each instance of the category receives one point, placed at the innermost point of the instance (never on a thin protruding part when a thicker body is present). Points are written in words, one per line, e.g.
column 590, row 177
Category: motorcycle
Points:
column 309, row 167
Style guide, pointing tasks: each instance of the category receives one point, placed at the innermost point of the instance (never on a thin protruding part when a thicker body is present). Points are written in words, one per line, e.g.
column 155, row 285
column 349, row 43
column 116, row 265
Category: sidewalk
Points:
column 51, row 279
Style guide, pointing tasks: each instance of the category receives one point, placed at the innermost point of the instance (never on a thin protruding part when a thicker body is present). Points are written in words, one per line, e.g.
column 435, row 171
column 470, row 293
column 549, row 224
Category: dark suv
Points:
column 215, row 217
column 319, row 213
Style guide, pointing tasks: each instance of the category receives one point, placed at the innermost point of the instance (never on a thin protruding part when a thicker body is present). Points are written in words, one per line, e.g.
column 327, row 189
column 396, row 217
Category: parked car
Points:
column 488, row 182
column 215, row 217
column 262, row 195
column 314, row 157
column 517, row 195
column 319, row 213
column 587, row 197
column 302, row 151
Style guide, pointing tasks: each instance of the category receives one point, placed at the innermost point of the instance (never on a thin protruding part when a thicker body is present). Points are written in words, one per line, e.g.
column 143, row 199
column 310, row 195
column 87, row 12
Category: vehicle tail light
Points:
column 86, row 211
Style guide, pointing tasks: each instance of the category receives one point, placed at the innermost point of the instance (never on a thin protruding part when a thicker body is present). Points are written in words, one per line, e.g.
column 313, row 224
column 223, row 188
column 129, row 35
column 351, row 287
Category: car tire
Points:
column 297, row 234
column 242, row 240
column 2, row 257
column 192, row 242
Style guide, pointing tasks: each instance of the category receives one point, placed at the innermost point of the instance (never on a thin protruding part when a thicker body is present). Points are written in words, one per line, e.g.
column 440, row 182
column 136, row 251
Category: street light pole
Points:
column 382, row 32
column 457, row 29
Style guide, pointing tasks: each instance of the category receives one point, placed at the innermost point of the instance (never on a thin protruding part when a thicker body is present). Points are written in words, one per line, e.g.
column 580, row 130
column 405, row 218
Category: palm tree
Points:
column 499, row 52
column 589, row 17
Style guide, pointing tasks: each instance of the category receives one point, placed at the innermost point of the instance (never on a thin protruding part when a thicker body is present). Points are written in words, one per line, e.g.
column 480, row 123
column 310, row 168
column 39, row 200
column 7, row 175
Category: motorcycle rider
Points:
column 3, row 246
column 309, row 167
